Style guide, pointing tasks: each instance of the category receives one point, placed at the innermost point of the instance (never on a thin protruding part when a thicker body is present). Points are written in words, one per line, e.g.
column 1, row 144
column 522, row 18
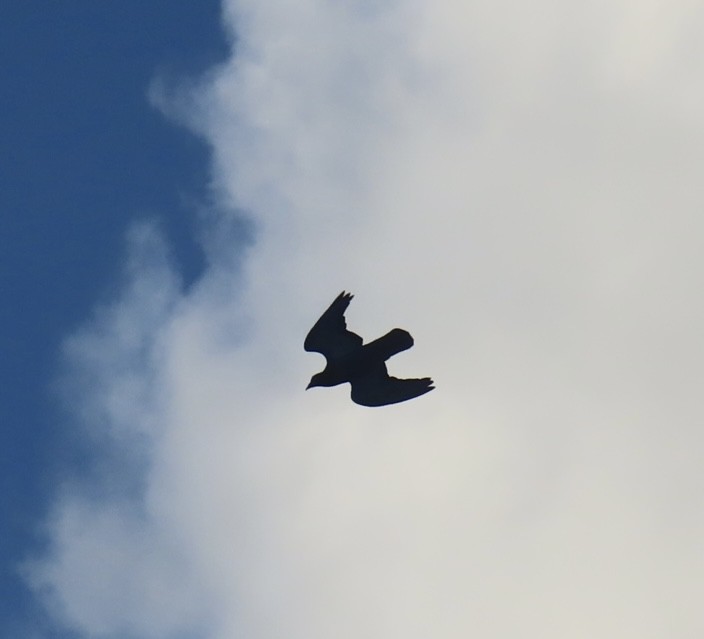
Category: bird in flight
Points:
column 362, row 365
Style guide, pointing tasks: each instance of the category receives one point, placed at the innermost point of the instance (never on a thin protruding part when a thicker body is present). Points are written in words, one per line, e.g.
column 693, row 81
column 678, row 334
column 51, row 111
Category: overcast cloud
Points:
column 519, row 186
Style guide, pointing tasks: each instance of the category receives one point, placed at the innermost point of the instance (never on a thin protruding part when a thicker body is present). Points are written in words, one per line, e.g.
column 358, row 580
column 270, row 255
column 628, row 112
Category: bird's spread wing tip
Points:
column 329, row 334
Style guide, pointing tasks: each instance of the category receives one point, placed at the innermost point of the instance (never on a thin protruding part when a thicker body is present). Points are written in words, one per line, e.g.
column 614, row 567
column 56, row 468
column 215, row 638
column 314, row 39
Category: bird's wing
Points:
column 376, row 388
column 329, row 334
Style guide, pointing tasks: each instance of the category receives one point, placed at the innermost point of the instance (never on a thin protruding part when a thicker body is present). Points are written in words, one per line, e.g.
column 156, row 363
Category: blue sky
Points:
column 86, row 155
column 518, row 185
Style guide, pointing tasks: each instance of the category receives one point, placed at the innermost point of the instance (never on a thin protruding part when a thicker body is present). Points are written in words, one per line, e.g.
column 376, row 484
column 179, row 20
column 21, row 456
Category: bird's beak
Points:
column 309, row 385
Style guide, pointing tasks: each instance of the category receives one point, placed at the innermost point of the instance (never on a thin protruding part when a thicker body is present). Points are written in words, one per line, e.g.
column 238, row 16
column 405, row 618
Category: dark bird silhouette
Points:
column 362, row 365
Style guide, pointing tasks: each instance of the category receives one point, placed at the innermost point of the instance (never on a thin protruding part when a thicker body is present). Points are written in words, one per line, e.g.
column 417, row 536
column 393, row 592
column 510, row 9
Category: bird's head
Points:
column 317, row 380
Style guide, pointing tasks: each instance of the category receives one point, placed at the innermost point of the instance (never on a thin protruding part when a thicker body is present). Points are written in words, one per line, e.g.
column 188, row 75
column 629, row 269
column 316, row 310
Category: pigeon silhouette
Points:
column 362, row 365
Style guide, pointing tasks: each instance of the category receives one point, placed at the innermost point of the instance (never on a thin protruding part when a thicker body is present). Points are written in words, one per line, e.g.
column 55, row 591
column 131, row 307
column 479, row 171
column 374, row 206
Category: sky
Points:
column 87, row 156
column 516, row 185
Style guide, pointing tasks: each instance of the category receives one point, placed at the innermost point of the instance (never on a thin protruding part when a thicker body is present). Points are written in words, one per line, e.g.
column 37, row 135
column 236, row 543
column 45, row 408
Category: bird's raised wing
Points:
column 376, row 388
column 329, row 334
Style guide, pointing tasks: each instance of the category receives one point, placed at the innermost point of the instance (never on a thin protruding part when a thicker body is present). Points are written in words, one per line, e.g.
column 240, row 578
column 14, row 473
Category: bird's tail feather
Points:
column 393, row 342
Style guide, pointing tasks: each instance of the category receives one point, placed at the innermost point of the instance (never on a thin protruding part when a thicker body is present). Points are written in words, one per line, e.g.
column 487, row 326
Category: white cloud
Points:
column 517, row 185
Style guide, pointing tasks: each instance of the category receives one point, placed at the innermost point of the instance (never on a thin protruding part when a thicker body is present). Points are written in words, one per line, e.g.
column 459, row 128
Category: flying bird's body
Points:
column 362, row 365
